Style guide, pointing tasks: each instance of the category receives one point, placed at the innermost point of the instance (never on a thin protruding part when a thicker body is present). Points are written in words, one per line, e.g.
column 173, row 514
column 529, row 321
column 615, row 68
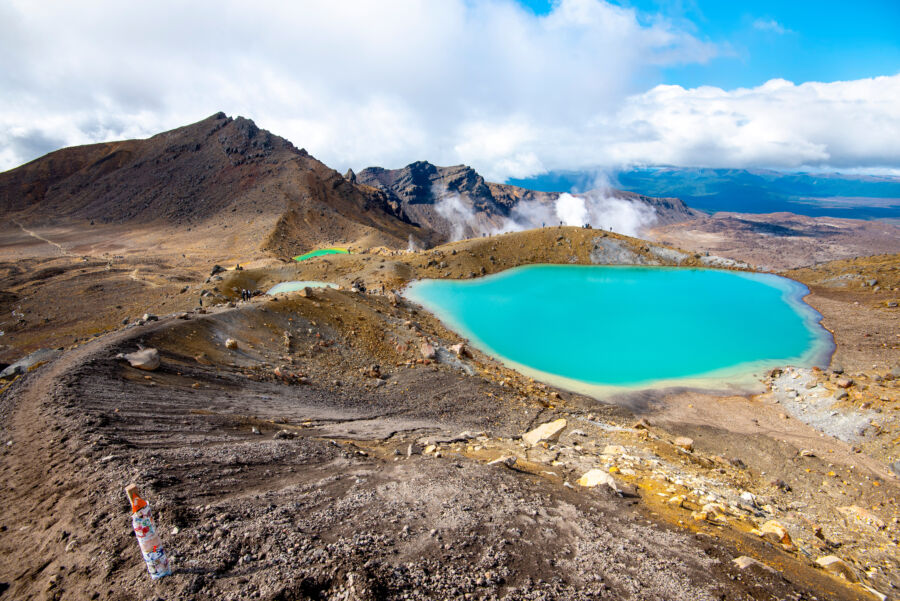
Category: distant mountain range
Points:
column 748, row 191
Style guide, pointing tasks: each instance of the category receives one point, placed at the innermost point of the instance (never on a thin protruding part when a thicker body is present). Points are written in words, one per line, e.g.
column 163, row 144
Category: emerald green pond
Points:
column 602, row 329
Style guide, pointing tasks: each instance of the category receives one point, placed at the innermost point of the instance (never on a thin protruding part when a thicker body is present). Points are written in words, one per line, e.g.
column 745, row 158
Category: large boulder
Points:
column 146, row 359
column 548, row 432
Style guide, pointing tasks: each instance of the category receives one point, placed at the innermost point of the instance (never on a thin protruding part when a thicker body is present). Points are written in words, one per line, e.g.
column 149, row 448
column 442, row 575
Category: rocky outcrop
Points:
column 420, row 187
column 609, row 251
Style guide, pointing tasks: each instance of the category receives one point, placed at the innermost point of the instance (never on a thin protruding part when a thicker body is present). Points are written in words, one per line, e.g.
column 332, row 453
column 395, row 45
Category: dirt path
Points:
column 134, row 276
column 33, row 234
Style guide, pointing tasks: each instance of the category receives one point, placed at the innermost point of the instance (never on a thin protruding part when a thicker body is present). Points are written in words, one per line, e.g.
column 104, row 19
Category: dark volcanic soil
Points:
column 323, row 502
column 329, row 483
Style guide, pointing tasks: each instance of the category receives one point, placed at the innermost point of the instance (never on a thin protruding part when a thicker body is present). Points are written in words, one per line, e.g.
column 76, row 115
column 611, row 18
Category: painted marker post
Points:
column 148, row 539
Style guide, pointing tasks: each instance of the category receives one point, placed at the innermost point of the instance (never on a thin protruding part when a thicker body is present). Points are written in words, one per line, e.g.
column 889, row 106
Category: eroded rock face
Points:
column 609, row 251
column 25, row 363
column 418, row 188
column 668, row 255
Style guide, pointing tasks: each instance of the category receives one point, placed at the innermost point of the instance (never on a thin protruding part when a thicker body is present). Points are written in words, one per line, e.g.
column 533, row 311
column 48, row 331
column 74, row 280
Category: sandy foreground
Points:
column 328, row 455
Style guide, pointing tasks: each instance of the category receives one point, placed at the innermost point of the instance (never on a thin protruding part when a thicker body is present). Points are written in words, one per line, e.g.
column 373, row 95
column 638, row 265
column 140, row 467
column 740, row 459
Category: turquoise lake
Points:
column 603, row 329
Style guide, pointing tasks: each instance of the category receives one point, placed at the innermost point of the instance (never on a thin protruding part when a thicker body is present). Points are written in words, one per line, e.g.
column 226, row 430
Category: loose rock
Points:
column 427, row 351
column 146, row 359
column 743, row 562
column 545, row 432
column 837, row 566
column 684, row 442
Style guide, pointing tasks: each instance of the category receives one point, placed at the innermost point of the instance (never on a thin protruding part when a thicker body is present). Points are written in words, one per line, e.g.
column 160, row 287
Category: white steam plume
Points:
column 462, row 218
column 595, row 208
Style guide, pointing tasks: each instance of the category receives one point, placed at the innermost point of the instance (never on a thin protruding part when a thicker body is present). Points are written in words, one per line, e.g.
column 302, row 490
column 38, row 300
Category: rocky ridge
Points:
column 420, row 186
column 217, row 174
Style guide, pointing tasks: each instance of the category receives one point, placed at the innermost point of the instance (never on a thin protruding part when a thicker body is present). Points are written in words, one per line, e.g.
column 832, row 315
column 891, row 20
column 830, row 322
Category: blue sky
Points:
column 797, row 40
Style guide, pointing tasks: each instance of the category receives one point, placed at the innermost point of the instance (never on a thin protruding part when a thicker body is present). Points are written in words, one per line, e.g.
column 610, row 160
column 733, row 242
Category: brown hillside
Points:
column 204, row 178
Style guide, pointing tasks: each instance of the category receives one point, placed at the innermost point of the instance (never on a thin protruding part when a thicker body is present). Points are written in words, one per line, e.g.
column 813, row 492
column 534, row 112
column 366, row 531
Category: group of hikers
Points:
column 246, row 294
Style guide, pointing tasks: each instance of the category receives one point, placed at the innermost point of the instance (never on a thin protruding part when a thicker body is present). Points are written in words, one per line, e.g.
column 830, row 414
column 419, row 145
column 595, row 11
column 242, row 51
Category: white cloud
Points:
column 770, row 25
column 780, row 124
column 360, row 83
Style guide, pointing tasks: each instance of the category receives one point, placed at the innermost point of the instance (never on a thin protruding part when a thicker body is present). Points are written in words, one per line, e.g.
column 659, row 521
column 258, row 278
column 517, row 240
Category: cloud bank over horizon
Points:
column 485, row 83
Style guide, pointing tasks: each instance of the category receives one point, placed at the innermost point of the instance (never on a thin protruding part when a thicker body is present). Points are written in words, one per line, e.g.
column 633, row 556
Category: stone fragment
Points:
column 684, row 442
column 461, row 350
column 427, row 351
column 862, row 515
column 743, row 562
column 843, row 382
column 775, row 532
column 547, row 432
column 676, row 501
column 594, row 477
column 806, row 453
column 613, row 449
column 597, row 477
column 231, row 343
column 623, row 489
column 715, row 513
column 146, row 359
column 837, row 566
column 877, row 594
column 507, row 461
